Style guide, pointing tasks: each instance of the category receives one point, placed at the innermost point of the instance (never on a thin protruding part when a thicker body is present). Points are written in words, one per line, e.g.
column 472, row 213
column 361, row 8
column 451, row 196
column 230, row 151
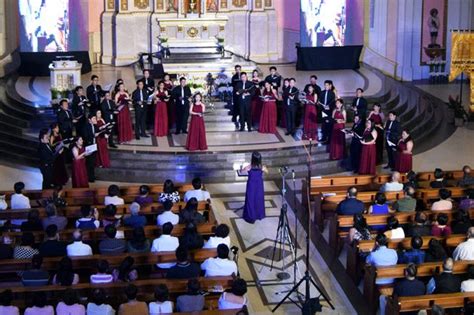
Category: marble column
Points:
column 108, row 32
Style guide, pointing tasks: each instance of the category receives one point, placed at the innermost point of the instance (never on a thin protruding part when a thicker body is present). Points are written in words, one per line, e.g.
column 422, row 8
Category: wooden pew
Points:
column 396, row 305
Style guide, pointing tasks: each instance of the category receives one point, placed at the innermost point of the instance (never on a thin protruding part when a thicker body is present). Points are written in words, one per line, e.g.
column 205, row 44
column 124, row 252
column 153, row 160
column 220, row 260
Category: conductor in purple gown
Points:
column 254, row 207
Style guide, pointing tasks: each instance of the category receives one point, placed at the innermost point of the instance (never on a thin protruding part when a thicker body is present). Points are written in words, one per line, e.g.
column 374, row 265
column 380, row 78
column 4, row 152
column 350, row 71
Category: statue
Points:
column 212, row 6
column 172, row 6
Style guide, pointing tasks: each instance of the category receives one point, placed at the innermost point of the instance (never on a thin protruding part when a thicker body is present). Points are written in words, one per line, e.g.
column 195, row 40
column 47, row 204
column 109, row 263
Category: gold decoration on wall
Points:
column 180, row 28
column 268, row 3
column 223, row 4
column 221, row 28
column 239, row 3
column 159, row 4
column 141, row 4
column 124, row 5
column 192, row 32
column 110, row 4
column 204, row 28
column 258, row 4
column 162, row 29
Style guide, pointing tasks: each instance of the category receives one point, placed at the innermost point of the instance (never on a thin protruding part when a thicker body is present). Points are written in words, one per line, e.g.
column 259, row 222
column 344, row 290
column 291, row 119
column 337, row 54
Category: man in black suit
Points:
column 327, row 100
column 392, row 134
column 410, row 286
column 108, row 113
column 89, row 136
column 445, row 282
column 46, row 155
column 359, row 105
column 80, row 109
column 351, row 205
column 273, row 78
column 356, row 146
column 313, row 82
column 291, row 103
column 140, row 98
column 181, row 95
column 235, row 98
column 94, row 93
column 65, row 119
column 149, row 86
column 245, row 90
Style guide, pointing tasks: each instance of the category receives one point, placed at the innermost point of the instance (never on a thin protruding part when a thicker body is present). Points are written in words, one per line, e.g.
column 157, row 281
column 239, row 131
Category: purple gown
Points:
column 254, row 207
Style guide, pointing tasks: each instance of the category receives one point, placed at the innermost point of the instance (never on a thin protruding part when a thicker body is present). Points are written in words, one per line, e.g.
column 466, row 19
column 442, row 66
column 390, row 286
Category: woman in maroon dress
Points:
column 169, row 104
column 79, row 171
column 124, row 122
column 197, row 131
column 284, row 92
column 161, row 111
column 102, row 158
column 377, row 117
column 60, row 175
column 256, row 105
column 368, row 152
column 268, row 117
column 403, row 161
column 310, row 123
column 337, row 145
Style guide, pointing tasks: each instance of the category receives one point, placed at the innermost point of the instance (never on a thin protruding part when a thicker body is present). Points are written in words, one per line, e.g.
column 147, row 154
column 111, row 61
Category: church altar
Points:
column 65, row 75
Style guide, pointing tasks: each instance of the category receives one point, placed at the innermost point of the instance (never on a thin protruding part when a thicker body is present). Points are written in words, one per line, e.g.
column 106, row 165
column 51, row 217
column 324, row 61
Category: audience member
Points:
column 414, row 255
column 444, row 202
column 89, row 218
column 439, row 181
column 191, row 239
column 98, row 305
column 110, row 216
column 193, row 301
column 132, row 307
column 435, row 251
column 112, row 245
column 125, row 272
column 221, row 265
column 161, row 305
column 35, row 276
column 184, row 269
column 134, row 219
column 408, row 202
column 468, row 202
column 190, row 214
column 52, row 217
column 6, row 251
column 419, row 227
column 380, row 206
column 164, row 243
column 139, row 243
column 410, row 285
column 6, row 307
column 33, row 223
column 113, row 197
column 169, row 192
column 65, row 275
column 461, row 222
column 468, row 285
column 411, row 180
column 467, row 179
column 144, row 198
column 102, row 275
column 446, row 282
column 351, row 205
column 70, row 304
column 360, row 230
column 52, row 247
column 234, row 299
column 18, row 200
column 393, row 185
column 25, row 250
column 441, row 227
column 394, row 230
column 78, row 248
column 465, row 250
column 382, row 256
column 39, row 306
column 437, row 310
column 221, row 237
column 197, row 192
column 167, row 215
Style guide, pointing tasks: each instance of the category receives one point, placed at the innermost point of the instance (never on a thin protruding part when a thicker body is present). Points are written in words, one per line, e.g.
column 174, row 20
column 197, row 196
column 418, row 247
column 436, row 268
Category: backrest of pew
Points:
column 395, row 304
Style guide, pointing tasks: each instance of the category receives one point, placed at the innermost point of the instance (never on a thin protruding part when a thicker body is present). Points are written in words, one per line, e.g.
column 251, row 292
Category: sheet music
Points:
column 91, row 149
column 324, row 115
column 390, row 143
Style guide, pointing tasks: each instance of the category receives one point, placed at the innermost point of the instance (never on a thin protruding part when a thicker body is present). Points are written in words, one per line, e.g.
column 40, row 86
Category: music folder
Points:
column 91, row 149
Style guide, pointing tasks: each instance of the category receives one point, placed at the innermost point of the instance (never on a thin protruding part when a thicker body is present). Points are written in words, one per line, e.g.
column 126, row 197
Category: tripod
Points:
column 308, row 305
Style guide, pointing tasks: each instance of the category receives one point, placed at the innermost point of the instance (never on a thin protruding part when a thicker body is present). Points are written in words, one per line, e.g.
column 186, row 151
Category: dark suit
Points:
column 65, row 123
column 290, row 105
column 149, row 86
column 317, row 89
column 359, row 104
column 356, row 145
column 392, row 133
column 447, row 283
column 275, row 81
column 46, row 156
column 94, row 95
column 327, row 98
column 139, row 98
column 89, row 138
column 235, row 98
column 107, row 108
column 79, row 109
column 181, row 97
column 350, row 206
column 244, row 102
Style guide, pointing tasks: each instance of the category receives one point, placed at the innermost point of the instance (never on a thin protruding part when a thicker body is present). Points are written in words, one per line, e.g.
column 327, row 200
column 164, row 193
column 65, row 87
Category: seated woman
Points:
column 360, row 230
column 235, row 299
column 70, row 304
column 441, row 227
column 191, row 239
column 461, row 222
column 139, row 243
column 125, row 272
column 89, row 218
column 113, row 197
column 193, row 301
column 380, row 206
column 102, row 275
column 221, row 237
column 445, row 202
column 110, row 212
column 162, row 305
column 33, row 223
column 6, row 307
column 39, row 305
column 65, row 275
column 144, row 199
column 468, row 202
column 190, row 214
column 394, row 230
column 98, row 305
column 435, row 251
column 169, row 192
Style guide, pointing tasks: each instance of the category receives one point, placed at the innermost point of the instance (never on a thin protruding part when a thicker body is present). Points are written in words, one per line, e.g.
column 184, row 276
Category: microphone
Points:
column 293, row 174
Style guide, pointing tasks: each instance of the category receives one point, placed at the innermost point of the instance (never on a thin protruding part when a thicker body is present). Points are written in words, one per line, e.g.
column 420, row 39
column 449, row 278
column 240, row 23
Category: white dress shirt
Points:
column 165, row 243
column 199, row 194
column 219, row 267
column 115, row 200
column 442, row 205
column 465, row 250
column 392, row 186
column 78, row 248
column 215, row 241
column 167, row 216
column 20, row 201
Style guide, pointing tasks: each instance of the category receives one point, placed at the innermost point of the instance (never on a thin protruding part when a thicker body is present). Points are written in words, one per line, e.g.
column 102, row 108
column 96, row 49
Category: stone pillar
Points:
column 3, row 29
column 108, row 32
column 237, row 30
